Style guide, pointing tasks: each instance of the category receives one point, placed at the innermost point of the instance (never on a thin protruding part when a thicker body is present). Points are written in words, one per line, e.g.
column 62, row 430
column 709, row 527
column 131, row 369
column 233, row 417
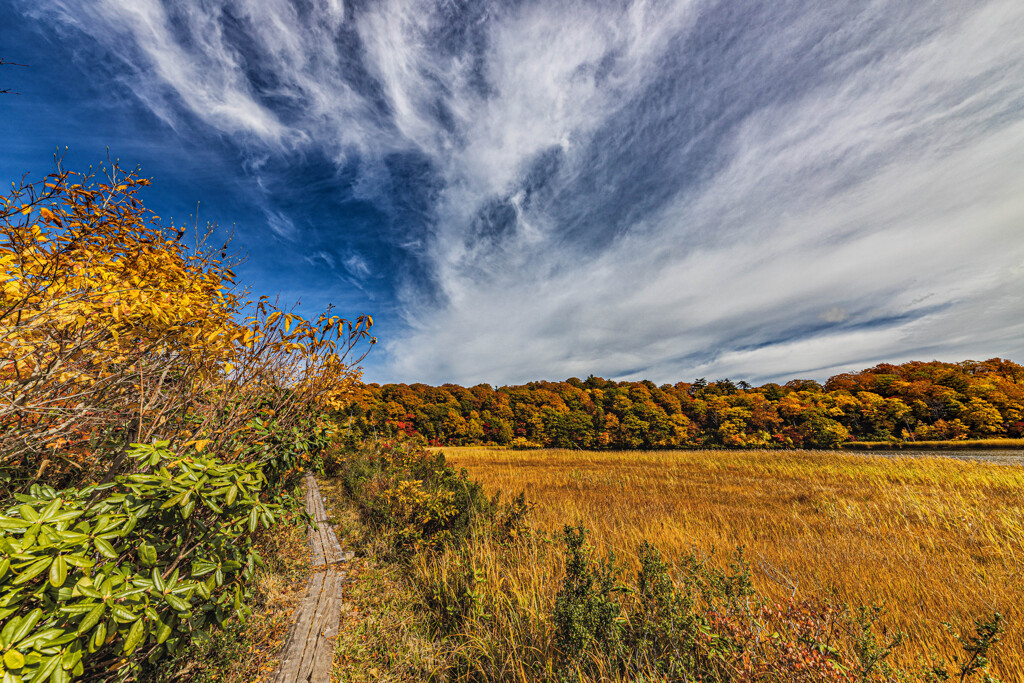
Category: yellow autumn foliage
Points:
column 114, row 329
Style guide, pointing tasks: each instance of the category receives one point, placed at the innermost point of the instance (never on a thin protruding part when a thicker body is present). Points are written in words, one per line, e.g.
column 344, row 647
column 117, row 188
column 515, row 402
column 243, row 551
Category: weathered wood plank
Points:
column 288, row 670
column 309, row 652
column 332, row 549
column 323, row 658
column 324, row 544
column 316, row 545
column 326, row 604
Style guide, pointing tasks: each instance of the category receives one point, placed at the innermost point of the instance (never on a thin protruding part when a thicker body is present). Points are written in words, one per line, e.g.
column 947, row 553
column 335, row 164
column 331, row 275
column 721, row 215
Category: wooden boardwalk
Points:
column 323, row 542
column 309, row 653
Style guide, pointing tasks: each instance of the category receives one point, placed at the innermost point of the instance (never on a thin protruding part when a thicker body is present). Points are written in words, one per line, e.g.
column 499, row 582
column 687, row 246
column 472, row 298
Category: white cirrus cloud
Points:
column 641, row 189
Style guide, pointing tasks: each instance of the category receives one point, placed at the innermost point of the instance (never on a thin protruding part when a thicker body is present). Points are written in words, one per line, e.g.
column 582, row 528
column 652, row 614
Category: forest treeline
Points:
column 913, row 401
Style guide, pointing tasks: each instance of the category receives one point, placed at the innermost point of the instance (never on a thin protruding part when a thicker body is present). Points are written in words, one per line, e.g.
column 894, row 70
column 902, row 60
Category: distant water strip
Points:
column 996, row 456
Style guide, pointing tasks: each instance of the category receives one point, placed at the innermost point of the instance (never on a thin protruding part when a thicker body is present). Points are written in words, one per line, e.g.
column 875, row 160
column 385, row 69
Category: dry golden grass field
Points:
column 936, row 539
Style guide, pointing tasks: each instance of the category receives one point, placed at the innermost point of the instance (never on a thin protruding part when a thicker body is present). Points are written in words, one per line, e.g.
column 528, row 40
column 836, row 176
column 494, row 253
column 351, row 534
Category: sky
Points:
column 541, row 190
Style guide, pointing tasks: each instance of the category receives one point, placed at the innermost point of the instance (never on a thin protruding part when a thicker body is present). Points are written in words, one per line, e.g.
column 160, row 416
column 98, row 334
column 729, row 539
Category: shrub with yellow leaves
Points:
column 412, row 509
column 114, row 330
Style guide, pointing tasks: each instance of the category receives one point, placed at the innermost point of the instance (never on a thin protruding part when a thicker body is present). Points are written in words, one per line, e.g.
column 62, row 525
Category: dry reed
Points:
column 936, row 539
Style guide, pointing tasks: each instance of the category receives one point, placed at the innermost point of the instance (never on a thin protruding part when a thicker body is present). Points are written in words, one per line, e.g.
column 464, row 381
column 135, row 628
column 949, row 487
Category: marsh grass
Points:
column 935, row 540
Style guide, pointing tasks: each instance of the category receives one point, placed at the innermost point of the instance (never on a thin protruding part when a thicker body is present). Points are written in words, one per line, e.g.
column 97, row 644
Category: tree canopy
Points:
column 913, row 401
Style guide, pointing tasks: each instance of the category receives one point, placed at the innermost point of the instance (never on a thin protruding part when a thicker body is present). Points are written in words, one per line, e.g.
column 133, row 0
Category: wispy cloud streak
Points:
column 650, row 189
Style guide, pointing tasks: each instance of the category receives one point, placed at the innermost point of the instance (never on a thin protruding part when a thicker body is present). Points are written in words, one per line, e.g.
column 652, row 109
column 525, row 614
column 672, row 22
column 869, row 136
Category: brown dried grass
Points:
column 936, row 539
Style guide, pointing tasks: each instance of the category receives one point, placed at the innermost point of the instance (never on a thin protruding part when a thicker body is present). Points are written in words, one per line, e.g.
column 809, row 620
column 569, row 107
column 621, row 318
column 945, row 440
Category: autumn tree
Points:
column 114, row 330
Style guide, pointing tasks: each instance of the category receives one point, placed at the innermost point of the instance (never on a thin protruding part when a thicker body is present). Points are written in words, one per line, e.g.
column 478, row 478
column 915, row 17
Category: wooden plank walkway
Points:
column 309, row 653
column 323, row 542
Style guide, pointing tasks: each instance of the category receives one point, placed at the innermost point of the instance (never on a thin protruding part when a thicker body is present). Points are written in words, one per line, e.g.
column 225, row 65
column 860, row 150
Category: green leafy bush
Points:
column 454, row 596
column 95, row 580
column 586, row 614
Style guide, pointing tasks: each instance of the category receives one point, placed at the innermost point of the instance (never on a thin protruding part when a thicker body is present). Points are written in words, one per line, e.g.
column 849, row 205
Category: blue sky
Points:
column 526, row 190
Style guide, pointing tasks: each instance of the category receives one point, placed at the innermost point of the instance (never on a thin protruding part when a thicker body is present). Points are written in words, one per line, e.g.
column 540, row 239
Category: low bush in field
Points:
column 504, row 602
column 410, row 493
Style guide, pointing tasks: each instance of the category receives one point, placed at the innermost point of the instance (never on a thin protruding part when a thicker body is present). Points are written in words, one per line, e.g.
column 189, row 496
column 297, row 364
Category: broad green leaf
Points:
column 29, row 537
column 89, row 591
column 32, row 571
column 176, row 603
column 72, row 655
column 47, row 670
column 123, row 615
column 14, row 659
column 49, row 510
column 65, row 516
column 105, row 548
column 135, row 636
column 173, row 500
column 158, row 580
column 57, row 641
column 13, row 523
column 42, row 639
column 77, row 609
column 99, row 636
column 101, row 524
column 78, row 561
column 92, row 618
column 7, row 634
column 137, row 590
column 163, row 631
column 8, row 599
column 202, row 568
column 60, row 675
column 58, row 572
column 27, row 624
column 147, row 554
